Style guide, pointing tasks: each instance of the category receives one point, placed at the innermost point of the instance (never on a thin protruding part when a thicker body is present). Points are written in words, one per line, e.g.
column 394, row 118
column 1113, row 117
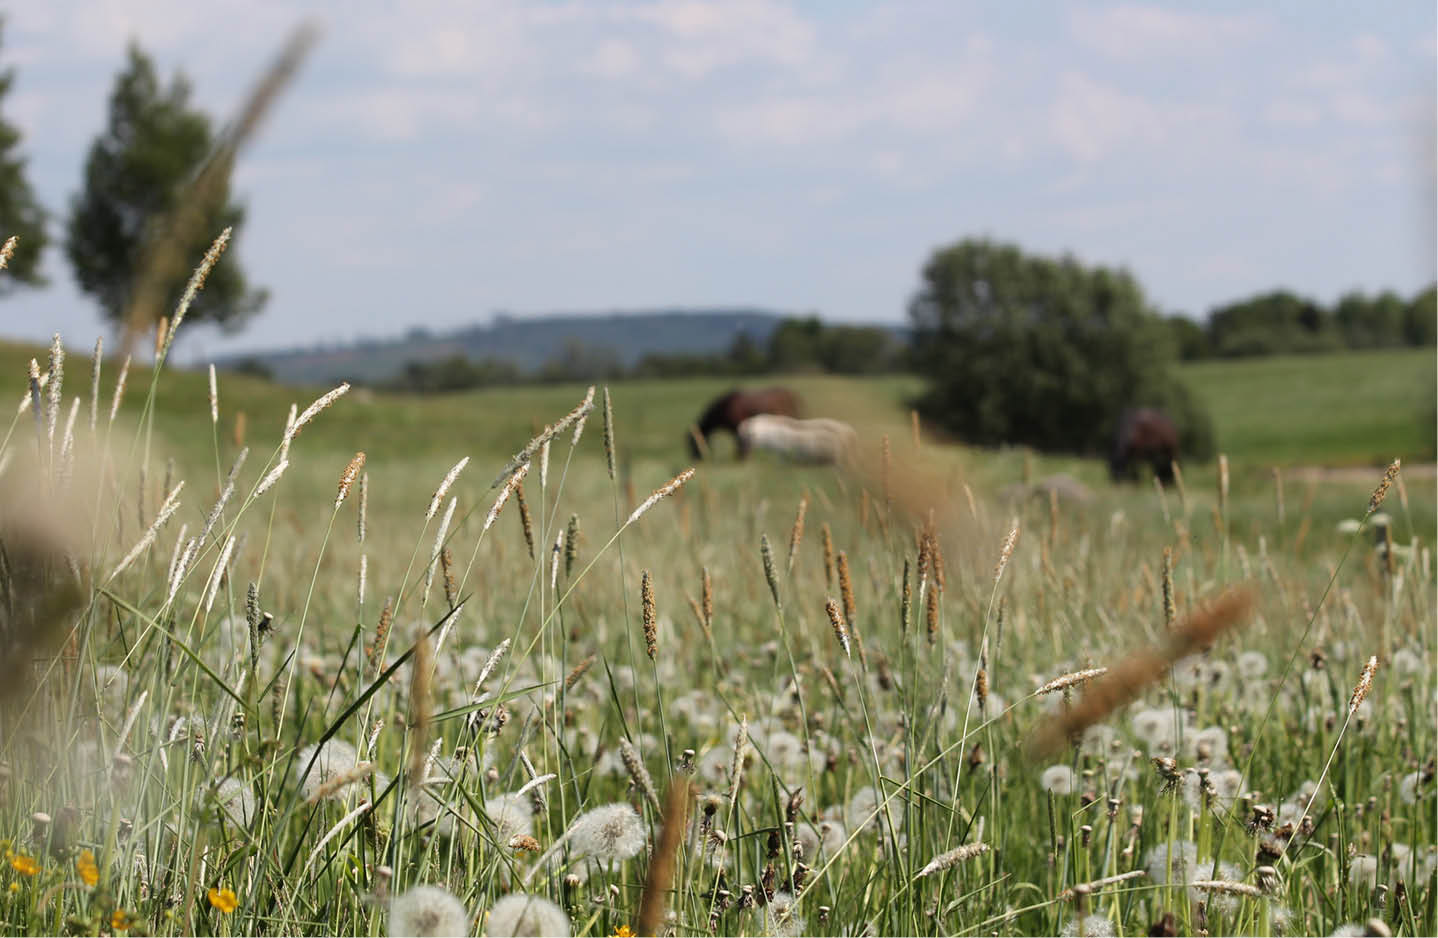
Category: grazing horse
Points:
column 1145, row 435
column 820, row 441
column 729, row 410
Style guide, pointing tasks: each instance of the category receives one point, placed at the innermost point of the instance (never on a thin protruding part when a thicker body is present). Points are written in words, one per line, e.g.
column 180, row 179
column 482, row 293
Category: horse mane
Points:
column 714, row 414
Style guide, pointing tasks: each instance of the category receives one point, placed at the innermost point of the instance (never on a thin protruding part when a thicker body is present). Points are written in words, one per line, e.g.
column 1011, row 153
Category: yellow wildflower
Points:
column 85, row 865
column 623, row 931
column 223, row 899
column 120, row 920
column 25, row 866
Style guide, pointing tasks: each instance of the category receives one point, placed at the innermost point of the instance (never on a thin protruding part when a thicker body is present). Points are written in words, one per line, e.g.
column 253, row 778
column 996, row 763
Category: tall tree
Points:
column 1042, row 351
column 136, row 171
column 20, row 213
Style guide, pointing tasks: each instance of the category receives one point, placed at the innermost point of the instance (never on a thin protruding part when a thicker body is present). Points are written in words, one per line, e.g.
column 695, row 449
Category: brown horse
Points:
column 1145, row 435
column 729, row 410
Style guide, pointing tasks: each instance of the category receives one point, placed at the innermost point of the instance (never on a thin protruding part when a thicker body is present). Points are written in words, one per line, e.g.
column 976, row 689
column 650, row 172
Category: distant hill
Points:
column 529, row 342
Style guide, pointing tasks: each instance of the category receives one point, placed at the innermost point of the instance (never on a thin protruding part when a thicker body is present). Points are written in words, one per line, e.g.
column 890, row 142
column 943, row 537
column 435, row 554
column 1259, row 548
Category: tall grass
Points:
column 227, row 736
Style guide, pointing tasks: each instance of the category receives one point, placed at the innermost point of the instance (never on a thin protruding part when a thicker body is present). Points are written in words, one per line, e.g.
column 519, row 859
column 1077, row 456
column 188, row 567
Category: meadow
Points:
column 475, row 682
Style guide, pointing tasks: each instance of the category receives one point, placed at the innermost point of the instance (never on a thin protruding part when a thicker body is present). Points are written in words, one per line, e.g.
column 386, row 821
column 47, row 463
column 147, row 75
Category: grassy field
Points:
column 1359, row 408
column 501, row 709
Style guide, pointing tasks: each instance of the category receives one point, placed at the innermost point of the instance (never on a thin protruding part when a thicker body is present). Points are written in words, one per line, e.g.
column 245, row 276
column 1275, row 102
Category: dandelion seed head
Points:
column 1059, row 780
column 779, row 917
column 608, row 833
column 1090, row 926
column 511, row 816
column 427, row 910
column 334, row 757
column 519, row 914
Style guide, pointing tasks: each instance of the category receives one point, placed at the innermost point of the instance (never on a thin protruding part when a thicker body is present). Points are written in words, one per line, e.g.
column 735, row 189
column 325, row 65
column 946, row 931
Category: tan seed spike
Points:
column 347, row 478
column 796, row 533
column 665, row 490
column 836, row 620
column 646, row 598
column 1365, row 684
column 1381, row 492
column 8, row 250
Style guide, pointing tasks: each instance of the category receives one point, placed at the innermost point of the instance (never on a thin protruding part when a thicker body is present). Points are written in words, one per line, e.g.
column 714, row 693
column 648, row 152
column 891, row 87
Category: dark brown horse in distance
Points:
column 732, row 408
column 1145, row 435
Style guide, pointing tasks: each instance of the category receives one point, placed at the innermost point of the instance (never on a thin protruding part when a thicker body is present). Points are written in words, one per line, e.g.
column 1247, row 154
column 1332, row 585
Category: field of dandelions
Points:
column 445, row 666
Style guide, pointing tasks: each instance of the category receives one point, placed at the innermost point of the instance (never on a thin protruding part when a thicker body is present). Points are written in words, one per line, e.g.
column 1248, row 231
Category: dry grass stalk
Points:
column 796, row 533
column 1126, row 680
column 1095, row 885
column 54, row 389
column 1170, row 611
column 314, row 410
column 770, row 577
column 846, row 587
column 271, row 477
column 504, row 495
column 638, row 774
column 736, row 768
column 438, row 498
column 828, row 537
column 953, row 858
column 665, row 857
column 360, row 771
column 421, row 706
column 375, row 652
column 1007, row 551
column 836, row 619
column 931, row 615
column 451, row 588
column 438, row 548
column 525, row 522
column 162, row 329
column 1228, row 887
column 1178, row 483
column 172, row 502
column 214, row 398
column 577, row 672
column 1381, row 492
column 646, row 599
column 906, row 599
column 1364, row 685
column 221, row 566
column 707, row 599
column 571, row 544
column 1065, row 681
column 119, row 394
column 665, row 490
column 95, row 383
column 608, row 434
column 347, row 478
column 1223, row 485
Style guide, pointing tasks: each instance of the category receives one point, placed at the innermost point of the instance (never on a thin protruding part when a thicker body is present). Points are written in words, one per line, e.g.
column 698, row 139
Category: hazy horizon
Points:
column 434, row 165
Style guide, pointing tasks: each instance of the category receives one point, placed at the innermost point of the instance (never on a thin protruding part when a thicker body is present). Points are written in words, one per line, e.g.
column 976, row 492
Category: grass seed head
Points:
column 646, row 598
column 347, row 478
column 1381, row 492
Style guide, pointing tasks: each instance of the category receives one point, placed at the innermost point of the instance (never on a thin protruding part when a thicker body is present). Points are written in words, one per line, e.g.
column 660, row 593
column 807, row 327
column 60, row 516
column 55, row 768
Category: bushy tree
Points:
column 1045, row 352
column 20, row 212
column 152, row 145
column 1274, row 323
column 1420, row 318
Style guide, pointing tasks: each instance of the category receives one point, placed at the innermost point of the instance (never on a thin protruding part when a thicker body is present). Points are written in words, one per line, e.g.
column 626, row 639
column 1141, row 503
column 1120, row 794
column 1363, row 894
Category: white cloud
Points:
column 1090, row 119
column 613, row 58
column 1132, row 32
column 703, row 36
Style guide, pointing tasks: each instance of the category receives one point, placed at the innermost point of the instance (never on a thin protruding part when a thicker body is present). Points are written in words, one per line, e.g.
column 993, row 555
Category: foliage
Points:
column 455, row 373
column 1026, row 349
column 154, row 142
column 20, row 212
column 1282, row 323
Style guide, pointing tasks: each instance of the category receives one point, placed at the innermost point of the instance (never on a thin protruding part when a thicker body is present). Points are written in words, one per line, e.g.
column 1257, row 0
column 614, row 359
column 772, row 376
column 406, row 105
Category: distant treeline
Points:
column 1275, row 323
column 801, row 344
column 1283, row 323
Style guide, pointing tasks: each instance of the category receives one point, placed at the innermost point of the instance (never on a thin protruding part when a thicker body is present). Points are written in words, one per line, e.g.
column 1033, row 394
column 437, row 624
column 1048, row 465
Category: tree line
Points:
column 1280, row 322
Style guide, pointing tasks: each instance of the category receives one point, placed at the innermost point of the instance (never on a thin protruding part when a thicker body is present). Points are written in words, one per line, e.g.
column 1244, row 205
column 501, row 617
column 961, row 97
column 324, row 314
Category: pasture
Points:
column 854, row 674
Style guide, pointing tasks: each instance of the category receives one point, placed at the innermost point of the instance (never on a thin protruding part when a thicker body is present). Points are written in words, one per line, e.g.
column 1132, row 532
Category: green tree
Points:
column 1026, row 349
column 1420, row 318
column 1366, row 322
column 1274, row 323
column 20, row 213
column 152, row 145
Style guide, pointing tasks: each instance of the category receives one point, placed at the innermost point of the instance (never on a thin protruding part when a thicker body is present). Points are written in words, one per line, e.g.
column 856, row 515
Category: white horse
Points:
column 819, row 440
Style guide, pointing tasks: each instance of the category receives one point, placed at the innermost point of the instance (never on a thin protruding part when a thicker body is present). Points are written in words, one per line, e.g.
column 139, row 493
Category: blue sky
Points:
column 436, row 161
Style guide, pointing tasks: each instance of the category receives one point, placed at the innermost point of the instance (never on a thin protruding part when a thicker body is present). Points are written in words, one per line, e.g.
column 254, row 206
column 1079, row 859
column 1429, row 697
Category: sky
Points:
column 438, row 160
